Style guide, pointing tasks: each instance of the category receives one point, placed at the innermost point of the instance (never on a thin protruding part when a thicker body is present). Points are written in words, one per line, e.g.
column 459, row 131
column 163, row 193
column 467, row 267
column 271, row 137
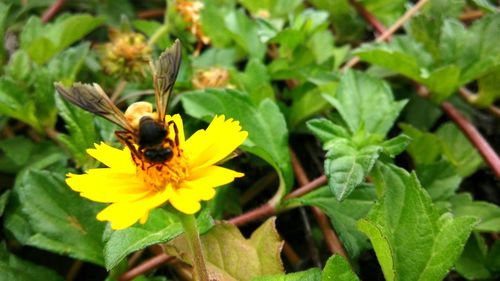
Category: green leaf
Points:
column 276, row 8
column 402, row 55
column 265, row 124
column 357, row 94
column 55, row 218
column 347, row 166
column 16, row 103
column 309, row 103
column 162, row 226
column 313, row 274
column 44, row 41
column 410, row 240
column 19, row 66
column 82, row 134
column 256, row 81
column 4, row 198
column 486, row 5
column 4, row 12
column 387, row 11
column 338, row 269
column 325, row 130
column 488, row 213
column 18, row 149
column 149, row 28
column 489, row 89
column 65, row 66
column 458, row 150
column 346, row 21
column 344, row 215
column 396, row 145
column 440, row 179
column 244, row 32
column 14, row 268
column 472, row 264
column 425, row 148
column 225, row 248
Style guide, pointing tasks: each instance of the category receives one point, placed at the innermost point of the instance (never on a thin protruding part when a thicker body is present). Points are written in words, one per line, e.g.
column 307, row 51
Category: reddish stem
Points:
column 484, row 148
column 153, row 13
column 145, row 267
column 52, row 11
column 474, row 136
column 331, row 238
column 372, row 20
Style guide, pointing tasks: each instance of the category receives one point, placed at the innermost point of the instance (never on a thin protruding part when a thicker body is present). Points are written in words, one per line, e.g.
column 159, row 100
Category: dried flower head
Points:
column 190, row 11
column 214, row 77
column 127, row 55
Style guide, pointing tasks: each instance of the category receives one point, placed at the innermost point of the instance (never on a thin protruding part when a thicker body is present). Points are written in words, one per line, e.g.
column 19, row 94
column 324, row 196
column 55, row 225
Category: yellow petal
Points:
column 185, row 200
column 207, row 147
column 106, row 185
column 124, row 214
column 212, row 176
column 118, row 159
column 180, row 127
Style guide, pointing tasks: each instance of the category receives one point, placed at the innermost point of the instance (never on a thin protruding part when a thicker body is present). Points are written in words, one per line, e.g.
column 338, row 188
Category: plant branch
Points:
column 470, row 98
column 388, row 33
column 467, row 128
column 374, row 22
column 52, row 10
column 331, row 238
column 146, row 266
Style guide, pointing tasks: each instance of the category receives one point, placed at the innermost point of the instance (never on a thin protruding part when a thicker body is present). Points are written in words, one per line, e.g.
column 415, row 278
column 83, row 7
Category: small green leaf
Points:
column 4, row 12
column 357, row 94
column 472, row 264
column 80, row 125
column 162, row 226
column 44, row 41
column 149, row 28
column 256, row 81
column 16, row 103
column 396, row 145
column 14, row 268
column 458, row 150
column 313, row 274
column 19, row 66
column 325, row 130
column 18, row 149
column 425, row 148
column 489, row 89
column 346, row 166
column 55, row 217
column 344, row 215
column 440, row 179
column 276, row 8
column 265, row 124
column 225, row 248
column 338, row 269
column 4, row 198
column 488, row 213
column 410, row 240
column 244, row 32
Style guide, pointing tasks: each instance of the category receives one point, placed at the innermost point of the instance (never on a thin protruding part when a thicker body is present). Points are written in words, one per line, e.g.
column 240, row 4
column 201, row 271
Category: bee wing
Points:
column 165, row 72
column 93, row 99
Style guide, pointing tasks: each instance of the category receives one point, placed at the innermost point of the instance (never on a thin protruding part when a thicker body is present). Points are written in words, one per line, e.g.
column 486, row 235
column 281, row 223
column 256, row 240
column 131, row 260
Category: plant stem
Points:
column 193, row 238
column 157, row 35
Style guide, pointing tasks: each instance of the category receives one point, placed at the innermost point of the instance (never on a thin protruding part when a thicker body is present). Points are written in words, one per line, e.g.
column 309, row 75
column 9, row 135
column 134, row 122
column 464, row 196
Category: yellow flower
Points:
column 134, row 188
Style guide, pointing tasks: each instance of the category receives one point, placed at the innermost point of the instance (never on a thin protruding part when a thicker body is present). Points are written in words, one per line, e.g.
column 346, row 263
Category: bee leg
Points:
column 176, row 130
column 127, row 139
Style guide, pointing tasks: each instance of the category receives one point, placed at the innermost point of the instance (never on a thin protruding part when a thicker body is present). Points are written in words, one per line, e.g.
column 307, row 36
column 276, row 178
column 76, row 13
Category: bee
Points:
column 149, row 137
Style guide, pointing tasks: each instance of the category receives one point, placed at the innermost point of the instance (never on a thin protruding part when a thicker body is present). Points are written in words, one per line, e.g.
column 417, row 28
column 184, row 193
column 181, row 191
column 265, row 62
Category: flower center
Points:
column 158, row 175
